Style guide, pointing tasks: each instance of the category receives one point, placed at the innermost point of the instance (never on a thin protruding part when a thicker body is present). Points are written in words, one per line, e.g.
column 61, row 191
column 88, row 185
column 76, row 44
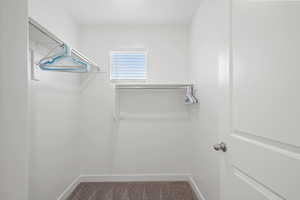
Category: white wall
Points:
column 135, row 145
column 55, row 134
column 166, row 45
column 155, row 135
column 55, row 105
column 13, row 100
column 55, row 18
column 208, row 34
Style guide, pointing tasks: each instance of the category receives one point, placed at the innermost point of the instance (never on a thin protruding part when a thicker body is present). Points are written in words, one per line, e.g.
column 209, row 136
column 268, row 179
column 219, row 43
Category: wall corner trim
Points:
column 196, row 189
column 69, row 189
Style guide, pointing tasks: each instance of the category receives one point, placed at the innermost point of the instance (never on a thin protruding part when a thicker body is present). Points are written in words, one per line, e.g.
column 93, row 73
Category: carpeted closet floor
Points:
column 134, row 191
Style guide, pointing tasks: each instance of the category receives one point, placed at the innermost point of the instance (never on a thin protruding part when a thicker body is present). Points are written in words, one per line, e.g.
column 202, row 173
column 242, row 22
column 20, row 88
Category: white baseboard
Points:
column 196, row 189
column 131, row 178
column 134, row 177
column 69, row 189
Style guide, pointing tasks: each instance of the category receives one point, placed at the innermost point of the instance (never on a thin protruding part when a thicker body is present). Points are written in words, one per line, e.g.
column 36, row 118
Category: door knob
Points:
column 220, row 147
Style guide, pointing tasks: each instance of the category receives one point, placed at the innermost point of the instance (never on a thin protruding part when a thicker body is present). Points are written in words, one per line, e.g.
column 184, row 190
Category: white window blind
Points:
column 128, row 65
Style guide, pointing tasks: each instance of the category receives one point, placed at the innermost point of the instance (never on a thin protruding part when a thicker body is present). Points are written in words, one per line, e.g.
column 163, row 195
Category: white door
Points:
column 263, row 131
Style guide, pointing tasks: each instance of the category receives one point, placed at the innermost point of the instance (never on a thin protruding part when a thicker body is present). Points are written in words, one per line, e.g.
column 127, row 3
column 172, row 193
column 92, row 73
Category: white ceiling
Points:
column 131, row 11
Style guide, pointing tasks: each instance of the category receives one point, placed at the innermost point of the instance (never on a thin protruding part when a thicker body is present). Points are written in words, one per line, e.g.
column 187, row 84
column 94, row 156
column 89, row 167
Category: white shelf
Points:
column 189, row 98
column 152, row 85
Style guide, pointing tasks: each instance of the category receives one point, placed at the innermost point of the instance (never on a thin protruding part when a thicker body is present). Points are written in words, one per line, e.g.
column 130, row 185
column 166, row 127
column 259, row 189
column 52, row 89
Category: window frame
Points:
column 144, row 51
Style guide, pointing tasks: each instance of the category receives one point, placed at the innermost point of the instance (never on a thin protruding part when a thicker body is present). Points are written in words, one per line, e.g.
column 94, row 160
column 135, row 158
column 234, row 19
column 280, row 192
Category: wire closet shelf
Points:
column 190, row 97
column 79, row 62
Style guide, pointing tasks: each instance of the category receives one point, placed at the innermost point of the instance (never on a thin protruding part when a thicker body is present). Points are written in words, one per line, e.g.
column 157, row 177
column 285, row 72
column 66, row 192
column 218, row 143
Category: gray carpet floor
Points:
column 133, row 191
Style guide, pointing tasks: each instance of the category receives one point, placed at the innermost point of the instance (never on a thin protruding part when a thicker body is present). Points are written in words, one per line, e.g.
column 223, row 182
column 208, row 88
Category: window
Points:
column 128, row 65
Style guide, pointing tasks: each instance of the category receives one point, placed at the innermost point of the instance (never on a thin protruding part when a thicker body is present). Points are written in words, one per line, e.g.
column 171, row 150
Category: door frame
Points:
column 225, row 102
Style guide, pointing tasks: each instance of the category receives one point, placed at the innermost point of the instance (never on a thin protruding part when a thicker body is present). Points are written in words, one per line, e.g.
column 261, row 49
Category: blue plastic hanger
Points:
column 48, row 63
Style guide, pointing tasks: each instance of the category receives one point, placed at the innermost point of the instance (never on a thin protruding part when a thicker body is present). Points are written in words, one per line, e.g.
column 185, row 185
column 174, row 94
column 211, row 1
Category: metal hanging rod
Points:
column 54, row 38
column 152, row 86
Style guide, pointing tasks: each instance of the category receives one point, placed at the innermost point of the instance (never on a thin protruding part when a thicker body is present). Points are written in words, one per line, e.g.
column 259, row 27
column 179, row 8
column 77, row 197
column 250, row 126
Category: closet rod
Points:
column 153, row 86
column 60, row 42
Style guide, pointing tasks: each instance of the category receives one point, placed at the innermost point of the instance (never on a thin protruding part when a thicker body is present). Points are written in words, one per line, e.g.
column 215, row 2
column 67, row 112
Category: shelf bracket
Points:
column 189, row 96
